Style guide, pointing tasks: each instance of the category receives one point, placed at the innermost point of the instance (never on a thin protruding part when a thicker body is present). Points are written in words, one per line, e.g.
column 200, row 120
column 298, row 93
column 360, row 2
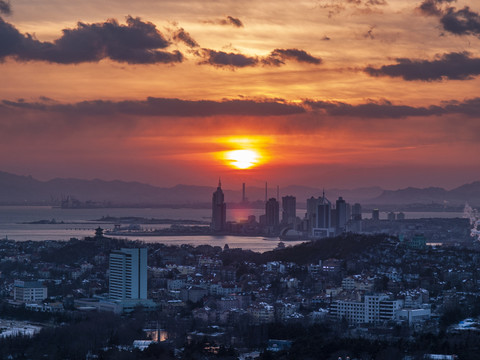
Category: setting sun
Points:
column 242, row 159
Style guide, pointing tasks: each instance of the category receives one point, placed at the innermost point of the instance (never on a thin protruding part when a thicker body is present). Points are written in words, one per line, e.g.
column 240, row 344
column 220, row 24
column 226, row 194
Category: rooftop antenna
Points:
column 219, row 182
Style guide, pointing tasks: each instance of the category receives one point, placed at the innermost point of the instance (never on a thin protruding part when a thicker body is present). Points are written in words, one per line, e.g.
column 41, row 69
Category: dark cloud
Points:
column 335, row 7
column 234, row 21
column 235, row 60
column 432, row 7
column 182, row 35
column 387, row 110
column 461, row 22
column 224, row 59
column 383, row 110
column 229, row 20
column 278, row 56
column 458, row 22
column 5, row 7
column 369, row 33
column 138, row 42
column 376, row 2
column 453, row 66
column 165, row 107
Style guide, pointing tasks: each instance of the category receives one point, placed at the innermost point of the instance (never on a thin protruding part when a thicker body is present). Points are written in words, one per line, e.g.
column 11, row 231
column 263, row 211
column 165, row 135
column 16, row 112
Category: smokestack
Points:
column 278, row 193
column 266, row 192
column 243, row 192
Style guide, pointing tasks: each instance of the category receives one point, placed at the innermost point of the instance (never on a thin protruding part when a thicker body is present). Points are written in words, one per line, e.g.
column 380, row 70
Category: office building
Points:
column 311, row 215
column 373, row 309
column 341, row 215
column 322, row 224
column 356, row 212
column 128, row 274
column 219, row 210
column 29, row 291
column 272, row 212
column 289, row 210
column 324, row 210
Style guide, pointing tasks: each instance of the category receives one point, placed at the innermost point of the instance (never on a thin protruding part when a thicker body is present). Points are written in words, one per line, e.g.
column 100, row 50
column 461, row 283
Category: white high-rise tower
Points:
column 128, row 274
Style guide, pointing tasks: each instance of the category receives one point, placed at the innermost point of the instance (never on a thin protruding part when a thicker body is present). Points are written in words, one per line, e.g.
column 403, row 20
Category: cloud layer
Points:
column 168, row 107
column 5, row 7
column 277, row 57
column 137, row 42
column 458, row 22
column 165, row 107
column 452, row 66
column 229, row 20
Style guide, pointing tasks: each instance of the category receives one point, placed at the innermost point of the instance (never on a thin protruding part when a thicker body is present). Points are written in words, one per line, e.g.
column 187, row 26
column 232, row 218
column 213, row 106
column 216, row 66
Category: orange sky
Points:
column 329, row 93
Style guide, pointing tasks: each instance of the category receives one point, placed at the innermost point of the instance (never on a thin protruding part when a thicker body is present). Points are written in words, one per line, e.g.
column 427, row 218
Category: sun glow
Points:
column 243, row 152
column 242, row 159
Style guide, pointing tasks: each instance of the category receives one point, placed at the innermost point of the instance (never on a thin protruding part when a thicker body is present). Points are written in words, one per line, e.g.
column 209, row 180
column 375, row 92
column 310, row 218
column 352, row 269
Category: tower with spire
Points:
column 319, row 216
column 219, row 210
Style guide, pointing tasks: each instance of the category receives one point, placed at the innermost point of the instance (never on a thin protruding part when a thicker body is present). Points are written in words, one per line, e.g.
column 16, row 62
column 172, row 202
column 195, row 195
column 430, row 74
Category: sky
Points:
column 324, row 93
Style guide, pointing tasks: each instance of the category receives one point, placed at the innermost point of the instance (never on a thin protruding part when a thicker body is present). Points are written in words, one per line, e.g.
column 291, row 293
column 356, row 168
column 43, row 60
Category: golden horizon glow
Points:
column 242, row 159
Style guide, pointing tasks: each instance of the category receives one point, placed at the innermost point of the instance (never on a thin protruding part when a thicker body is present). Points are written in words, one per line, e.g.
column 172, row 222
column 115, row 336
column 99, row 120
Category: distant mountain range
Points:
column 15, row 189
column 466, row 193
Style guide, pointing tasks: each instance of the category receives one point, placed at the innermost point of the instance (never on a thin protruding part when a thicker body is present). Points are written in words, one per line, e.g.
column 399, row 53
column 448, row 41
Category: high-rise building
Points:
column 272, row 212
column 356, row 224
column 375, row 214
column 128, row 274
column 357, row 212
column 324, row 207
column 341, row 214
column 219, row 210
column 311, row 215
column 333, row 217
column 289, row 209
column 321, row 224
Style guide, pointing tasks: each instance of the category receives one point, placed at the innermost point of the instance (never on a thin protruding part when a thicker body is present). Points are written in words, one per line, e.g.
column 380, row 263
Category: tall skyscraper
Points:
column 289, row 209
column 128, row 274
column 357, row 212
column 272, row 212
column 356, row 224
column 319, row 213
column 219, row 210
column 312, row 213
column 341, row 214
column 324, row 206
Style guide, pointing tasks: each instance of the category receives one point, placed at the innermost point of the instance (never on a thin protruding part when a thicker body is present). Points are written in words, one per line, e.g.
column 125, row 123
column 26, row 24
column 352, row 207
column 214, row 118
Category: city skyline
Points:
column 341, row 94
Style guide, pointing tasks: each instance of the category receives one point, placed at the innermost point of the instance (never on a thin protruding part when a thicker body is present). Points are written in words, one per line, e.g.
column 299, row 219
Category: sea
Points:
column 15, row 224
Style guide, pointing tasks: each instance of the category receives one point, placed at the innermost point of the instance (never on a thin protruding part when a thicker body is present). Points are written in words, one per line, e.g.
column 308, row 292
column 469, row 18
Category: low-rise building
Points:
column 29, row 291
column 373, row 309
